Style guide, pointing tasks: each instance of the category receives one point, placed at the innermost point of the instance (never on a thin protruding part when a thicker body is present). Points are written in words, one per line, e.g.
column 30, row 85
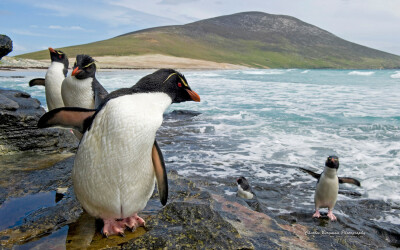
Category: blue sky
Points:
column 36, row 25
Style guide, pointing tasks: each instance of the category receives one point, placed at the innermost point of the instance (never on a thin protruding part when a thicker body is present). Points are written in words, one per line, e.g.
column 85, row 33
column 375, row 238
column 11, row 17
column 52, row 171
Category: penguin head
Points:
column 170, row 82
column 332, row 162
column 84, row 67
column 58, row 56
column 241, row 180
column 243, row 183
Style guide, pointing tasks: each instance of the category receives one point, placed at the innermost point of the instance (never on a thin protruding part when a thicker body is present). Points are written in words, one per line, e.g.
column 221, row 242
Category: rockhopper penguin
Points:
column 54, row 77
column 244, row 189
column 327, row 188
column 118, row 160
column 82, row 89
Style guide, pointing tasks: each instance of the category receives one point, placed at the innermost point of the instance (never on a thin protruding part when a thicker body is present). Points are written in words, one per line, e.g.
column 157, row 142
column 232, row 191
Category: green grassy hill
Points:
column 251, row 39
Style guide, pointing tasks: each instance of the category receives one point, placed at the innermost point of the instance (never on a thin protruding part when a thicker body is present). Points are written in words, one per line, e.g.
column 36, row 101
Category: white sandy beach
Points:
column 128, row 62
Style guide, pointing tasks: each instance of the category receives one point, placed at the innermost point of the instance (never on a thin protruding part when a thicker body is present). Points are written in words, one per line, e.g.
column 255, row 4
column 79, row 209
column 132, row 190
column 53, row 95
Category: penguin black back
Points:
column 168, row 81
column 244, row 189
column 242, row 181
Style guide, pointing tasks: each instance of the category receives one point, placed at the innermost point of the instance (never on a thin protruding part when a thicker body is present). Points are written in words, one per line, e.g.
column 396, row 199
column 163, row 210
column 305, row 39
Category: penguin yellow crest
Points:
column 183, row 80
column 89, row 64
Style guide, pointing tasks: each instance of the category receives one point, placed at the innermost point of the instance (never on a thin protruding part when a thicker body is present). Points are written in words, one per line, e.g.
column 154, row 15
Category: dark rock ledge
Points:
column 199, row 215
column 19, row 114
column 193, row 218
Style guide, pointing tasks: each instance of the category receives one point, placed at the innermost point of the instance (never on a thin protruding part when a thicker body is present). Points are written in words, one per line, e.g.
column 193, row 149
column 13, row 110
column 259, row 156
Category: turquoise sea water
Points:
column 251, row 119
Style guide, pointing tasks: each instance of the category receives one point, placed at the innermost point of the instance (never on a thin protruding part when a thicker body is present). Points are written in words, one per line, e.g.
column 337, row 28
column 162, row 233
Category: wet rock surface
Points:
column 199, row 214
column 28, row 205
column 19, row 114
column 189, row 225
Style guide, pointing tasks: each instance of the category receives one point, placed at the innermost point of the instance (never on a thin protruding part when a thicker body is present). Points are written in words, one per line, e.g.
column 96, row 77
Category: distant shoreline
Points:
column 142, row 62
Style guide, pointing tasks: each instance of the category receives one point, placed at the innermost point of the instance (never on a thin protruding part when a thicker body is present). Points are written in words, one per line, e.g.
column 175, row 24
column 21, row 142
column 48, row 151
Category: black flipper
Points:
column 99, row 92
column 68, row 117
column 161, row 173
column 349, row 180
column 36, row 82
column 315, row 175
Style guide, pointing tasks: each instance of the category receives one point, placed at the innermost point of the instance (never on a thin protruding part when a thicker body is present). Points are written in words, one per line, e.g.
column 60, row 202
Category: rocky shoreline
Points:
column 19, row 114
column 198, row 215
column 39, row 208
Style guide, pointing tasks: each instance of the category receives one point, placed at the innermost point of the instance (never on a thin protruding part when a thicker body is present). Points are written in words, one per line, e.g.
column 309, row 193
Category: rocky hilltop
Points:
column 251, row 39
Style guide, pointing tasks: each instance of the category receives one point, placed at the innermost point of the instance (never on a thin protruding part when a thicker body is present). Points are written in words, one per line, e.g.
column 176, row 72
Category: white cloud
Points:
column 56, row 8
column 367, row 22
column 26, row 32
column 17, row 48
column 176, row 2
column 58, row 27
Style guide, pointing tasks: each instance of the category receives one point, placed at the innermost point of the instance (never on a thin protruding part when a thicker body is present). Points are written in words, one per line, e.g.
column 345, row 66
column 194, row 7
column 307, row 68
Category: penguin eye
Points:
column 179, row 84
column 183, row 80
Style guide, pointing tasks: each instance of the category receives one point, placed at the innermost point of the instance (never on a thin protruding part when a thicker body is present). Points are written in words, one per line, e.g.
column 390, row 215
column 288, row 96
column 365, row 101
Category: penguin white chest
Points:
column 113, row 173
column 327, row 189
column 53, row 80
column 244, row 194
column 78, row 92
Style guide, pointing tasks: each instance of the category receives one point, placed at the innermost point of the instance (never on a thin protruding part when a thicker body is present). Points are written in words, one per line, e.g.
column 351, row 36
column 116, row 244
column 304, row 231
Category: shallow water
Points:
column 14, row 210
column 262, row 124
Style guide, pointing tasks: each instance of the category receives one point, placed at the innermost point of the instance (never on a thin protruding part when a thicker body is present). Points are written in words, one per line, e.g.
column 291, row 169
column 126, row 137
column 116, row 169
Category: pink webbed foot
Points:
column 112, row 226
column 133, row 222
column 331, row 215
column 316, row 214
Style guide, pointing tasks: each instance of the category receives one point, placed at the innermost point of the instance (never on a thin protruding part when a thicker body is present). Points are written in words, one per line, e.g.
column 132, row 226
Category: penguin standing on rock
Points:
column 53, row 80
column 118, row 159
column 82, row 89
column 327, row 188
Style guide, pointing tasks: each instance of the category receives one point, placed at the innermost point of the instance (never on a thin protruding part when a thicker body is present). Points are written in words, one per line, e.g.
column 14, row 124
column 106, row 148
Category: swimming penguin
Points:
column 54, row 77
column 327, row 188
column 244, row 189
column 118, row 159
column 82, row 89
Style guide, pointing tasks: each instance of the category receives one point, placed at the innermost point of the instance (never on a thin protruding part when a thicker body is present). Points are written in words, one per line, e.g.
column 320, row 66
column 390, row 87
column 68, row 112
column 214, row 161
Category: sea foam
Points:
column 396, row 75
column 260, row 125
column 362, row 73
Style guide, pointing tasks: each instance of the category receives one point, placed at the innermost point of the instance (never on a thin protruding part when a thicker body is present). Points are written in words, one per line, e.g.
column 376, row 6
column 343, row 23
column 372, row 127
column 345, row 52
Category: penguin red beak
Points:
column 76, row 71
column 195, row 97
column 52, row 50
